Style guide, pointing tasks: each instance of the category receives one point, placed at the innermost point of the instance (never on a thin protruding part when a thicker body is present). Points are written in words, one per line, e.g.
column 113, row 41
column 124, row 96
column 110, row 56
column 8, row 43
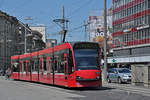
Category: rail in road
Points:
column 129, row 88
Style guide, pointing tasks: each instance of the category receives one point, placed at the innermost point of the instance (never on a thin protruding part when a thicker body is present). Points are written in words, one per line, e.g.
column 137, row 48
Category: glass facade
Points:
column 131, row 28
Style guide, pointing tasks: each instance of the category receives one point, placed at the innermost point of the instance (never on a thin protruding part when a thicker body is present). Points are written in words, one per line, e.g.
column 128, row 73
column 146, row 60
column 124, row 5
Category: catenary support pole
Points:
column 105, row 40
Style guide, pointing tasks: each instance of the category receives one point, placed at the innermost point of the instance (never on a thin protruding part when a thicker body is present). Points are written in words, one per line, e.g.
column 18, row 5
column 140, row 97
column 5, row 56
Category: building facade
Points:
column 41, row 29
column 50, row 43
column 131, row 31
column 96, row 28
column 131, row 37
column 8, row 30
column 12, row 39
column 37, row 41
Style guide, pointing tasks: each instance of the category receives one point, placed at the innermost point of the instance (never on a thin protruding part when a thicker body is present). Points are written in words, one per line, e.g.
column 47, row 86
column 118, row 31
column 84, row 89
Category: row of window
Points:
column 119, row 3
column 132, row 10
column 59, row 63
column 132, row 51
column 130, row 24
column 138, row 35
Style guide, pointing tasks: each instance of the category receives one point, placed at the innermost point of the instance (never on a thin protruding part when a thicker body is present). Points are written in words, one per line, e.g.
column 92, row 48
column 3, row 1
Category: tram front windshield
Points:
column 86, row 59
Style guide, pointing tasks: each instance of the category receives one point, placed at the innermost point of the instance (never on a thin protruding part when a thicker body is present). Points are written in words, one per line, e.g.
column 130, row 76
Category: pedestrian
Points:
column 8, row 73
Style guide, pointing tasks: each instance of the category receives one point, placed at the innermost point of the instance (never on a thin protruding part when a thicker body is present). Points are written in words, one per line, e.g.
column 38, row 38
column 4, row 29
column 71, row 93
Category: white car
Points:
column 119, row 75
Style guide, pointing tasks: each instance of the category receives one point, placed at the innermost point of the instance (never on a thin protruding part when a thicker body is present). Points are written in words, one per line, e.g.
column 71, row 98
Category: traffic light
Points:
column 20, row 30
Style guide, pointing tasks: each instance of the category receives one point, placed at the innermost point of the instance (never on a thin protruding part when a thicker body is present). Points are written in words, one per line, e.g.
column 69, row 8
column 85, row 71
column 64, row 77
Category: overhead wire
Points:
column 77, row 10
column 71, row 30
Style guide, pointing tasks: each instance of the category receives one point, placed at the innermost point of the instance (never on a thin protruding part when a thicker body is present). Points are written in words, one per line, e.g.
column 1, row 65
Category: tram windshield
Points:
column 86, row 59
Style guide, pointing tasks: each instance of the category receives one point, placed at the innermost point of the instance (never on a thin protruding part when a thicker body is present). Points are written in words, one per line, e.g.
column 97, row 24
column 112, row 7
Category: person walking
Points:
column 8, row 73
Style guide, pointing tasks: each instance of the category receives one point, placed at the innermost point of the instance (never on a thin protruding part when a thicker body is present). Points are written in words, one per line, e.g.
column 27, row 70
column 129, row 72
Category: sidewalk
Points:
column 123, row 85
column 4, row 78
column 129, row 88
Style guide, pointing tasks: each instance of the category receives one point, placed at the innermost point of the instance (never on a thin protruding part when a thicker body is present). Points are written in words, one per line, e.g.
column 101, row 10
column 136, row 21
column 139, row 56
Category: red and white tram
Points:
column 70, row 64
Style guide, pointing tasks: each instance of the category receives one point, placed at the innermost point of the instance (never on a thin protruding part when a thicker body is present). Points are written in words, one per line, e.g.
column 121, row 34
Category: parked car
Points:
column 119, row 75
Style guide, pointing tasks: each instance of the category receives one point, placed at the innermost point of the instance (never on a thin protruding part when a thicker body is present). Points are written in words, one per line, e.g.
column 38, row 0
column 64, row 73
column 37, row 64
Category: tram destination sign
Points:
column 86, row 46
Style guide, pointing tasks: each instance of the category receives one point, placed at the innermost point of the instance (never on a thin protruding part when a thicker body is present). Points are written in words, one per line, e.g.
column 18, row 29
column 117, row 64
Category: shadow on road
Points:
column 76, row 89
column 91, row 88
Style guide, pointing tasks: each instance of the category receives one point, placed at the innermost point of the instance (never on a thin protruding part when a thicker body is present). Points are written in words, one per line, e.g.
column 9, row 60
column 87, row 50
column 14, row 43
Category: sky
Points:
column 43, row 12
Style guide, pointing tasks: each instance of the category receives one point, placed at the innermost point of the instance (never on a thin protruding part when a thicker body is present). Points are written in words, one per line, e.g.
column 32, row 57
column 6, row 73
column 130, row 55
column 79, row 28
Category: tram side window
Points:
column 36, row 64
column 21, row 67
column 45, row 68
column 61, row 69
column 40, row 63
column 32, row 66
column 29, row 67
column 56, row 64
column 24, row 64
column 59, row 62
column 15, row 67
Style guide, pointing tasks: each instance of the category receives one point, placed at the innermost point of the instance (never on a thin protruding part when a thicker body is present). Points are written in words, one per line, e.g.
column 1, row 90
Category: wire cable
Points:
column 77, row 10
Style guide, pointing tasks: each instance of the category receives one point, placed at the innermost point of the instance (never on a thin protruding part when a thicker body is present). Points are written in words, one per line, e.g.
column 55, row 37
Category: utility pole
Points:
column 105, row 40
column 25, row 41
column 63, row 24
column 5, row 49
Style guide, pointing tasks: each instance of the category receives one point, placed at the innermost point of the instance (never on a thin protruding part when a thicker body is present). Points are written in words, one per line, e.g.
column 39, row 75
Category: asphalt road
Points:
column 19, row 90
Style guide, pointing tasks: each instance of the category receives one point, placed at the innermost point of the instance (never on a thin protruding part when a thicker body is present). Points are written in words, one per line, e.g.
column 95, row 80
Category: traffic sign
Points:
column 113, row 60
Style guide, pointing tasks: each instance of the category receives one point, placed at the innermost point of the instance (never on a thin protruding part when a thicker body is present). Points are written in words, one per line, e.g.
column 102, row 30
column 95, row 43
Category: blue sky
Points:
column 43, row 12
